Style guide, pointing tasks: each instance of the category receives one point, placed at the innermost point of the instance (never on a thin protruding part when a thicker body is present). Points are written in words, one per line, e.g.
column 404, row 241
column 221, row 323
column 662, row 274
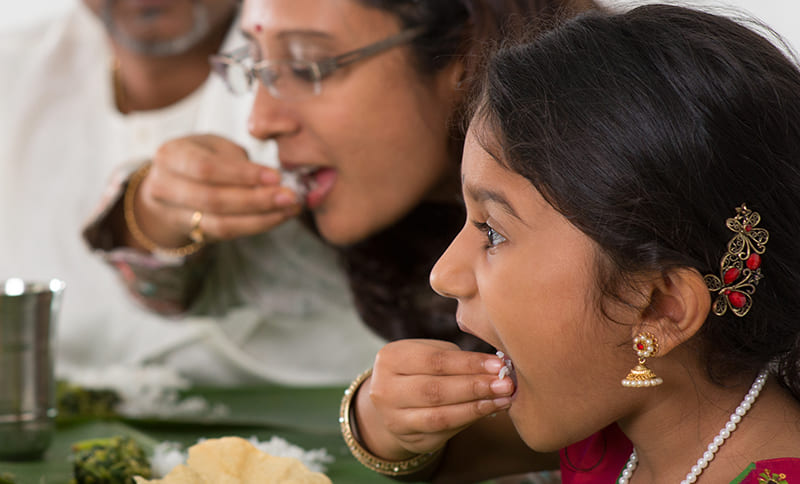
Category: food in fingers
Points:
column 508, row 368
column 298, row 181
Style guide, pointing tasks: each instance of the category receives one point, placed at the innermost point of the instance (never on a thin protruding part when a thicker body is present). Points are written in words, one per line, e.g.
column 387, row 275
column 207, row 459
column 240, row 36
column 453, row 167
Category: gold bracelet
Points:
column 133, row 227
column 367, row 459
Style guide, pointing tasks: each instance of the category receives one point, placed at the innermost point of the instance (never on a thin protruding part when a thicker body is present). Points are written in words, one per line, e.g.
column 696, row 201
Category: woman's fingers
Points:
column 212, row 176
column 211, row 160
column 179, row 192
column 229, row 227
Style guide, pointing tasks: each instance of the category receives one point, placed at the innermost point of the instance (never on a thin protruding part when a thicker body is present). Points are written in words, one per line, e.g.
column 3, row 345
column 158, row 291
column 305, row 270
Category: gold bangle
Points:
column 133, row 227
column 367, row 459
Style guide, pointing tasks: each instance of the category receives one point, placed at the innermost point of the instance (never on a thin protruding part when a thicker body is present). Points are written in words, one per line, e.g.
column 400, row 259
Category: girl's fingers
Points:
column 447, row 419
column 421, row 391
column 430, row 357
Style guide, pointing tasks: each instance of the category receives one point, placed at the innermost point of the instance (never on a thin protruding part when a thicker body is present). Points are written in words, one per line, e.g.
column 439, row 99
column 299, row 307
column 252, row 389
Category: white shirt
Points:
column 62, row 138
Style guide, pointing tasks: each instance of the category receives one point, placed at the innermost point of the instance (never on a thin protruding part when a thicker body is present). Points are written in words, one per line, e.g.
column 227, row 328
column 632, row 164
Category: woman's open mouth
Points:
column 311, row 183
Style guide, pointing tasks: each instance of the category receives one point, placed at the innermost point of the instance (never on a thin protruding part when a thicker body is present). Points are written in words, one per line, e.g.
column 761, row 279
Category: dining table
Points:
column 305, row 417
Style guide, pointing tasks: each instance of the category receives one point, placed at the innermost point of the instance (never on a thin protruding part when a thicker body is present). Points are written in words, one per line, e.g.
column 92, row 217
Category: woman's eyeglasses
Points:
column 293, row 79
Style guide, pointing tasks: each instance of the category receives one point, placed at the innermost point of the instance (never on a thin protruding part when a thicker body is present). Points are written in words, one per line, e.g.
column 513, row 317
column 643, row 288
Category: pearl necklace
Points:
column 715, row 444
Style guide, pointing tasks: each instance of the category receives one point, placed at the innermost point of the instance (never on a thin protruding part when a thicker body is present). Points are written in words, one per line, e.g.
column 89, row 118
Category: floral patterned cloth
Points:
column 773, row 471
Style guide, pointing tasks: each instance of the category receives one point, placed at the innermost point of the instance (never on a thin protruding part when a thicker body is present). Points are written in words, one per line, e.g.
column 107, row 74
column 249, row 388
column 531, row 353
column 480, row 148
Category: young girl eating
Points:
column 632, row 247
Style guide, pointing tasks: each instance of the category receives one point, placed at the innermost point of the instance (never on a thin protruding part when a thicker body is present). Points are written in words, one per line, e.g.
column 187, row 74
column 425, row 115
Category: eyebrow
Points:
column 480, row 194
column 291, row 33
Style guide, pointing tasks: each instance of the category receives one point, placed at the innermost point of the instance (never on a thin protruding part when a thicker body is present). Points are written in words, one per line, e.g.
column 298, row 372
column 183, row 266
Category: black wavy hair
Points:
column 647, row 129
column 389, row 271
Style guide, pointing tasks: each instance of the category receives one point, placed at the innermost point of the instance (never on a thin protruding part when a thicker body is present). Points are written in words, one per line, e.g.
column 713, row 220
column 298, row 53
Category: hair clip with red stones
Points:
column 741, row 265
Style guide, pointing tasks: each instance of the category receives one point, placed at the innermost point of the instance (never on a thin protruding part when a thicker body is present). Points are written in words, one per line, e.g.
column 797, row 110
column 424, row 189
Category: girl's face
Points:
column 376, row 137
column 525, row 282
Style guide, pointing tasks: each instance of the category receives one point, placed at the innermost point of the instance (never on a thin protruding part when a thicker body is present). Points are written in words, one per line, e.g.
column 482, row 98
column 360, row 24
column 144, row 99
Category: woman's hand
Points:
column 423, row 392
column 213, row 176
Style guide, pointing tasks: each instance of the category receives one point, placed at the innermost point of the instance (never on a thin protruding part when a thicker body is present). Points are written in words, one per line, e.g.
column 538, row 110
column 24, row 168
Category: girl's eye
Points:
column 493, row 237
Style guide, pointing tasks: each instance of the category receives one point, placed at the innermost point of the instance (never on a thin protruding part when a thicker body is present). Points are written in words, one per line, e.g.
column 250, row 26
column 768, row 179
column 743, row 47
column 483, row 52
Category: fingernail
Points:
column 501, row 387
column 284, row 198
column 493, row 365
column 502, row 402
column 486, row 406
column 270, row 177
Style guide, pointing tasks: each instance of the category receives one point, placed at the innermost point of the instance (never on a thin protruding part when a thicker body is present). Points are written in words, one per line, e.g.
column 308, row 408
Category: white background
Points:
column 782, row 15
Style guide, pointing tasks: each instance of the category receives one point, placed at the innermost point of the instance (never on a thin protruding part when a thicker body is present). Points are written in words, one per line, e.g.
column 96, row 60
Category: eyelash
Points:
column 492, row 235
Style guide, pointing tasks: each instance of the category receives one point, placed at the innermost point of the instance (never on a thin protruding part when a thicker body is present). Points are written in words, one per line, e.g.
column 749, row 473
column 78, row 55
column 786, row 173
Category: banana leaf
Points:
column 314, row 410
column 56, row 468
column 307, row 417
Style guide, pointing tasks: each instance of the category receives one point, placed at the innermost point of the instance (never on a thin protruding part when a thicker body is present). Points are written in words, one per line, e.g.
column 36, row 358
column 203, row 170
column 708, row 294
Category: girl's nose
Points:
column 452, row 275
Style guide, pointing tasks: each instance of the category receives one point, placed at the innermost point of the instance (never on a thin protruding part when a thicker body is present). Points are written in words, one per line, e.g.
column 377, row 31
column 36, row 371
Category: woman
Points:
column 362, row 97
column 631, row 246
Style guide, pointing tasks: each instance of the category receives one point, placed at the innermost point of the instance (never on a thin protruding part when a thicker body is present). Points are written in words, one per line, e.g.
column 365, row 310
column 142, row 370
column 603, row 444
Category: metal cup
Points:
column 28, row 312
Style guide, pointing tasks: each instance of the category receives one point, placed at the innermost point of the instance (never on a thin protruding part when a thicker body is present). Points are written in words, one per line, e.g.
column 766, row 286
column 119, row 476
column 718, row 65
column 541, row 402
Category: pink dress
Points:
column 600, row 459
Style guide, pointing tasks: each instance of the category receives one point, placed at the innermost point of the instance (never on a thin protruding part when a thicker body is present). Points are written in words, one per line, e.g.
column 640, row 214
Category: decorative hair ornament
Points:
column 740, row 267
column 646, row 346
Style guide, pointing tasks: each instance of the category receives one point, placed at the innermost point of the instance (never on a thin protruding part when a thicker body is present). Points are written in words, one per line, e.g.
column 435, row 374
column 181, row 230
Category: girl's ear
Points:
column 678, row 306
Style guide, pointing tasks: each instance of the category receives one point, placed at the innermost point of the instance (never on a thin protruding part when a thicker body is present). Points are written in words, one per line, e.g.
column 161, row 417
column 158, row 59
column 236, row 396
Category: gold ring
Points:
column 196, row 233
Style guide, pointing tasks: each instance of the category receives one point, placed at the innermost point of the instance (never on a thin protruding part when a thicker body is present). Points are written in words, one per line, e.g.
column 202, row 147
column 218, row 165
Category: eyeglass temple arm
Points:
column 329, row 65
column 235, row 55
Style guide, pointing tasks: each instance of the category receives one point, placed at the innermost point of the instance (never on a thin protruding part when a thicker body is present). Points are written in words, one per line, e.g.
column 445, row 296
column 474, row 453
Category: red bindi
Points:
column 258, row 28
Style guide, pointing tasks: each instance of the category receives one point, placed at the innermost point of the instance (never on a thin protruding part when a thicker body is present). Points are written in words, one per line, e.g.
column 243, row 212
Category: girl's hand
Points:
column 423, row 392
column 213, row 176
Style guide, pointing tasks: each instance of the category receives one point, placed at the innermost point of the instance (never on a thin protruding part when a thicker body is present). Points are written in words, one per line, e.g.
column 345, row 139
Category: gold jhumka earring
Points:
column 646, row 346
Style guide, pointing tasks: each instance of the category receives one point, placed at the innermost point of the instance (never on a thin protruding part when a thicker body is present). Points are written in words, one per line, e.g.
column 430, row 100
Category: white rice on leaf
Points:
column 167, row 455
column 147, row 391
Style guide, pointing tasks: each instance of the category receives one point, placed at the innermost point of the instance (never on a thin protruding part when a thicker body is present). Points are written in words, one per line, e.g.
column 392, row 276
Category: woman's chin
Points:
column 336, row 233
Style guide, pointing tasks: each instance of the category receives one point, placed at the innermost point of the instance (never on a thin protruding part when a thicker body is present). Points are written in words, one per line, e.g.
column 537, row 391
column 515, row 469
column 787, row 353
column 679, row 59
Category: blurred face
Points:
column 161, row 27
column 524, row 279
column 375, row 141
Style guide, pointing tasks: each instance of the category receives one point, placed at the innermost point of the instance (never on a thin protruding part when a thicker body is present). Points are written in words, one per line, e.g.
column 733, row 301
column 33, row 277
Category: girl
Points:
column 632, row 247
